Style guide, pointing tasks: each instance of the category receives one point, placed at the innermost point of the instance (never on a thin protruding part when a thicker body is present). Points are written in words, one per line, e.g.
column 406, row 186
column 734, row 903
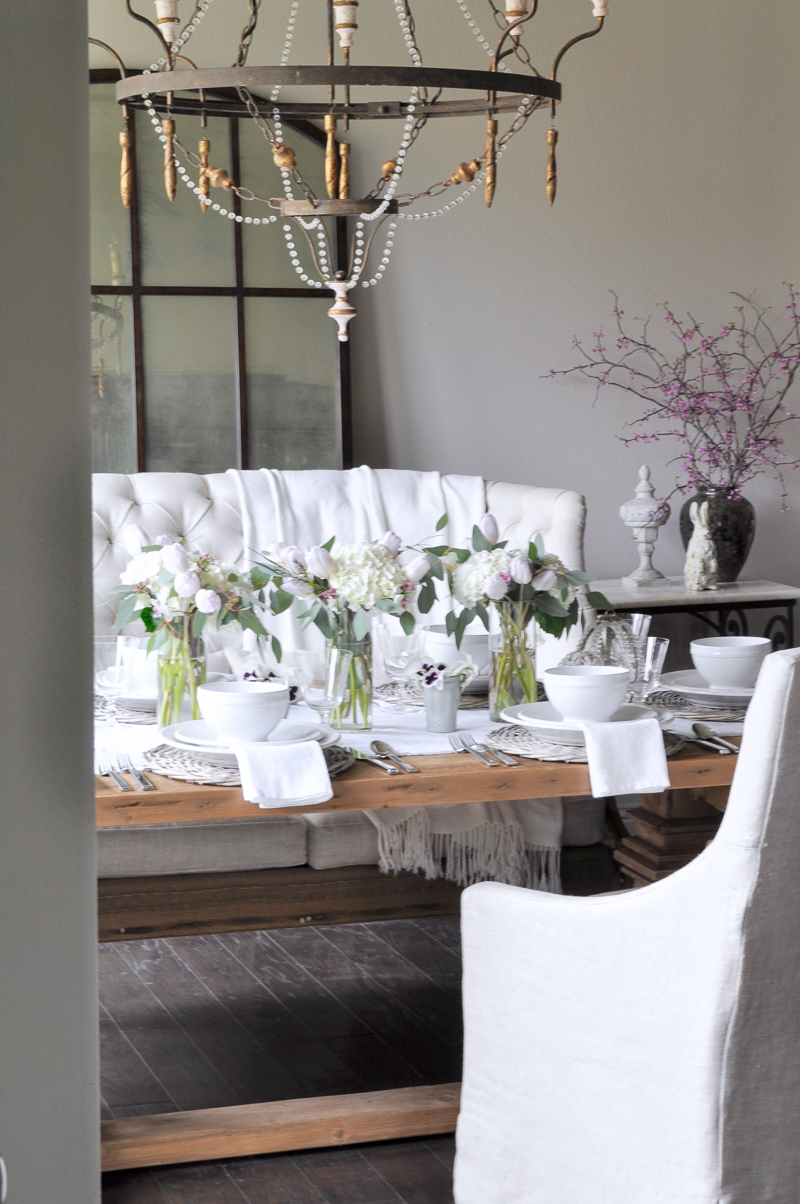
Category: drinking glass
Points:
column 324, row 677
column 398, row 651
column 652, row 651
column 112, row 673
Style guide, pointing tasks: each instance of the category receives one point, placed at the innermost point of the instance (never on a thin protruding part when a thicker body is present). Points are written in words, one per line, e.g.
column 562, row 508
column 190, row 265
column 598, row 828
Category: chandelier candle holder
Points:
column 644, row 514
column 505, row 96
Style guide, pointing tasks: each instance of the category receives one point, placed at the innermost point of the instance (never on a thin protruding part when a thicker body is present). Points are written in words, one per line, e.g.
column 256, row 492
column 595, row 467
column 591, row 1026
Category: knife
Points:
column 384, row 750
column 359, row 756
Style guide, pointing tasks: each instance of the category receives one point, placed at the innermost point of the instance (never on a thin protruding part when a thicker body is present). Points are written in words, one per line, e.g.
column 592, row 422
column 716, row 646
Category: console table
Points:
column 723, row 609
column 698, row 779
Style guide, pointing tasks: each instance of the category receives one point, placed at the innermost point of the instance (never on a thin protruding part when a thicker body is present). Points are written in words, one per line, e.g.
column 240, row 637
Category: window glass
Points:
column 110, row 244
column 180, row 244
column 113, row 405
column 292, row 405
column 190, row 388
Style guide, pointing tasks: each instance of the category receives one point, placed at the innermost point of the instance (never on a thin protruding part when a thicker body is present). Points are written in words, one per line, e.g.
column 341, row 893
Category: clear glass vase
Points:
column 355, row 711
column 513, row 667
column 181, row 669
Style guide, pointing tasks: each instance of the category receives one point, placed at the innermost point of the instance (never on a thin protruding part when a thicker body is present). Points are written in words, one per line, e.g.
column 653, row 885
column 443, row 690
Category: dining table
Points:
column 699, row 781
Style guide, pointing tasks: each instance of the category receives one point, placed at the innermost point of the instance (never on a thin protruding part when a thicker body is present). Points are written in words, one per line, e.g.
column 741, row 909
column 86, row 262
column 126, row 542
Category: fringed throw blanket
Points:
column 514, row 842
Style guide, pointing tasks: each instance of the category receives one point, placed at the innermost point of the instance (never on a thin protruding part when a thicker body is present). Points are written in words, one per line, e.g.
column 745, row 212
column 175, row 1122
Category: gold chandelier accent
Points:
column 504, row 97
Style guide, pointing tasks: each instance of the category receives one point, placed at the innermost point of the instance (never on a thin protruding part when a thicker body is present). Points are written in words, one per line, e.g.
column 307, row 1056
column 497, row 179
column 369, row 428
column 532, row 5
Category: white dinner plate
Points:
column 544, row 720
column 478, row 685
column 286, row 733
column 692, row 685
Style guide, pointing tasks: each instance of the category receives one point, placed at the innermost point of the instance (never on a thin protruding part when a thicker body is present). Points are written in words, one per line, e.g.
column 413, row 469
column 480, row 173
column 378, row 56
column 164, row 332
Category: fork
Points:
column 105, row 770
column 127, row 766
column 468, row 741
column 457, row 745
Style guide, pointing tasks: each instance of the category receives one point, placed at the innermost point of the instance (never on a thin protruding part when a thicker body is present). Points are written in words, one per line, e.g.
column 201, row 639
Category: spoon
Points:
column 703, row 730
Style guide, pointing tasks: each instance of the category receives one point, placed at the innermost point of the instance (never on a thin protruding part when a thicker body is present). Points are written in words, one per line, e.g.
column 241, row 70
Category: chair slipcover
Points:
column 644, row 1047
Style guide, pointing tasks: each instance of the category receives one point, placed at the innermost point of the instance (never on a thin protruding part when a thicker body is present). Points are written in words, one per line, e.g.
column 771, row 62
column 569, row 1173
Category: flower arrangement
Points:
column 175, row 592
column 721, row 395
column 434, row 676
column 524, row 586
column 339, row 585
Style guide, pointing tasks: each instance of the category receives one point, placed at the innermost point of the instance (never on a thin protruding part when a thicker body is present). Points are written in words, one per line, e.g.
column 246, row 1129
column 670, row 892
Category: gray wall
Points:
column 48, row 1009
column 679, row 180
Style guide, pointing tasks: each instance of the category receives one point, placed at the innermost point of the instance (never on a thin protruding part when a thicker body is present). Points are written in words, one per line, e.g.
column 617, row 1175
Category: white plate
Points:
column 692, row 685
column 544, row 720
column 286, row 733
column 478, row 685
column 139, row 701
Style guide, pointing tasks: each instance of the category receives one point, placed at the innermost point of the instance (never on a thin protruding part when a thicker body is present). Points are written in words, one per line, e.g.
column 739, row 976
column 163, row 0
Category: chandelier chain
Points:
column 246, row 40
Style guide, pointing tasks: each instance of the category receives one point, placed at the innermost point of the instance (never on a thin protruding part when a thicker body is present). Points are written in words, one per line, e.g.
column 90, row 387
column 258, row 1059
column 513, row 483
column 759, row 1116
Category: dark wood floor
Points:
column 199, row 1022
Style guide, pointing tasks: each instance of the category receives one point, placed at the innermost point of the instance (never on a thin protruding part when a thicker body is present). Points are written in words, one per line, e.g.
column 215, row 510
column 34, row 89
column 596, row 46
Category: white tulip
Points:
column 162, row 540
column 416, row 569
column 134, row 538
column 175, row 558
column 521, row 570
column 320, row 563
column 186, row 584
column 487, row 525
column 297, row 587
column 207, row 601
column 391, row 542
column 495, row 587
column 544, row 580
column 294, row 558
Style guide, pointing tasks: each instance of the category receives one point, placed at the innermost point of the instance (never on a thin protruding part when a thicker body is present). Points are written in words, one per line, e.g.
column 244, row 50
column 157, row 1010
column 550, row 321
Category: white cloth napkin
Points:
column 626, row 758
column 286, row 776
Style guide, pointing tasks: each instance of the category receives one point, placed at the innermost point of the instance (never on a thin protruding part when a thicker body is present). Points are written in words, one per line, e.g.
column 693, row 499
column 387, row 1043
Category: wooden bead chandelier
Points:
column 507, row 93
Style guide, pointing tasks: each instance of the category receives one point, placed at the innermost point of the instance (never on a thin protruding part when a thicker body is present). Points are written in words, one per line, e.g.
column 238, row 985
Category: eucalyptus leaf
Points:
column 323, row 621
column 450, row 622
column 435, row 553
column 199, row 622
column 280, row 600
column 407, row 622
column 327, row 546
column 126, row 611
column 249, row 619
column 551, row 606
column 461, row 554
column 442, row 523
column 361, row 623
column 538, row 543
column 479, row 541
column 426, row 597
column 463, row 620
column 277, row 651
column 152, row 547
column 598, row 601
column 259, row 576
column 483, row 614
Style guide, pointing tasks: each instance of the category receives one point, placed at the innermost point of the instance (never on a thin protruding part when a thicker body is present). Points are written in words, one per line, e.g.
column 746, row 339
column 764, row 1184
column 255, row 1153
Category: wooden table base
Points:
column 671, row 829
column 296, row 1124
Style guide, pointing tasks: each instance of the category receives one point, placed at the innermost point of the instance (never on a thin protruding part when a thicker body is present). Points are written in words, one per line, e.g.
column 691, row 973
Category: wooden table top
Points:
column 443, row 780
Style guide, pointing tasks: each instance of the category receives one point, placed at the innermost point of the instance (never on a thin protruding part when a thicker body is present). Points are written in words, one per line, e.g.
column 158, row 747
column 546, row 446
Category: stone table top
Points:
column 671, row 591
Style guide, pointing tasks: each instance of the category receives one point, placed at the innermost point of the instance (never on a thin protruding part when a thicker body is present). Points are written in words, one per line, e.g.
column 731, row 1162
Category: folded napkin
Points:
column 285, row 776
column 626, row 758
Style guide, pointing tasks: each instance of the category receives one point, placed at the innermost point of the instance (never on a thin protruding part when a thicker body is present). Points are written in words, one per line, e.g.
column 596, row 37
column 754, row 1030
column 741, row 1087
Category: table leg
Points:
column 671, row 829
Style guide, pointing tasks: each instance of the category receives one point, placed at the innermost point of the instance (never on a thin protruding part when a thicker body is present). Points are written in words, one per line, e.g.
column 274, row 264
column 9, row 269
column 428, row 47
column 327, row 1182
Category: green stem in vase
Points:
column 513, row 668
column 355, row 710
column 181, row 669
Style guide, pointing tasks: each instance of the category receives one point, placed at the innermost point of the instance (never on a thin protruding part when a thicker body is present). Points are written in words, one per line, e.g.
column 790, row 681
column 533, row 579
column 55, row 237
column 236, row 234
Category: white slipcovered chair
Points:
column 644, row 1047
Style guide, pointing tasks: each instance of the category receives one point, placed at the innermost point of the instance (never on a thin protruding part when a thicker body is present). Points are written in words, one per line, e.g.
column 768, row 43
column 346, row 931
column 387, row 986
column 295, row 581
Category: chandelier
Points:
column 505, row 96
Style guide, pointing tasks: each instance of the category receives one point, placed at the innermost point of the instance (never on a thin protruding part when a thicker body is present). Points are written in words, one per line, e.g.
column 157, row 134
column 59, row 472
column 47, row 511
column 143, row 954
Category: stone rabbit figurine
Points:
column 700, row 570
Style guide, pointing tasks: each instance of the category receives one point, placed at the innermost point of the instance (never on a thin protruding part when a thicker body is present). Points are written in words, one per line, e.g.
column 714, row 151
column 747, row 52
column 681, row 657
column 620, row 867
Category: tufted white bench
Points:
column 204, row 510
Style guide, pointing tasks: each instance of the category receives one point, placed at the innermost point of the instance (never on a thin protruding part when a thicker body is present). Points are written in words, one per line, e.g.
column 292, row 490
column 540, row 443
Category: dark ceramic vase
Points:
column 732, row 523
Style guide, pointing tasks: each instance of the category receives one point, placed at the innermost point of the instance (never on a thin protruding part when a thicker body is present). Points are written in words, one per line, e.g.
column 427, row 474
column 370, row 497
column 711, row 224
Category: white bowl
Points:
column 730, row 660
column 441, row 647
column 243, row 710
column 591, row 692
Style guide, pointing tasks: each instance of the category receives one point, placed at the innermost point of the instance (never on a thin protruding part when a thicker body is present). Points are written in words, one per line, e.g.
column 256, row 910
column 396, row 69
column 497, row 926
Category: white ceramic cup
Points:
column 591, row 692
column 243, row 710
column 726, row 661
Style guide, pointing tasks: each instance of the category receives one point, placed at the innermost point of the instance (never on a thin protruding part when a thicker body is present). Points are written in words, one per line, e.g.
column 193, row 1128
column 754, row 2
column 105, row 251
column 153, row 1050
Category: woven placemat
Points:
column 173, row 763
column 410, row 694
column 521, row 742
column 104, row 709
column 684, row 709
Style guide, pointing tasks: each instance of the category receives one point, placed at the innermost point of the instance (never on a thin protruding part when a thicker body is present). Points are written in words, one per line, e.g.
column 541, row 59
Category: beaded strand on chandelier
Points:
column 228, row 91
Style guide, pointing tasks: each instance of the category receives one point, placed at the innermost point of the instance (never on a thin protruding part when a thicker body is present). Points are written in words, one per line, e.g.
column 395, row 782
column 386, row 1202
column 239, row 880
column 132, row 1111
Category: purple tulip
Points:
column 207, row 601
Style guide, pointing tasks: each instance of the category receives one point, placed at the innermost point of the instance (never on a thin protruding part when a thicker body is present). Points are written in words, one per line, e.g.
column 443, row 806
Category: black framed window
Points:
column 205, row 354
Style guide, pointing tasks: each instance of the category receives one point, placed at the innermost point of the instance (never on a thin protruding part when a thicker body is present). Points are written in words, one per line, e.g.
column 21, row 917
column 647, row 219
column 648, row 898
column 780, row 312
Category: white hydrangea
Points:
column 469, row 579
column 143, row 569
column 364, row 573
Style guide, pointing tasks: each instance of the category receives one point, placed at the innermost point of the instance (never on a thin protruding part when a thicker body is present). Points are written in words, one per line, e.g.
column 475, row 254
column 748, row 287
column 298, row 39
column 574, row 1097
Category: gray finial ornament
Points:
column 644, row 514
